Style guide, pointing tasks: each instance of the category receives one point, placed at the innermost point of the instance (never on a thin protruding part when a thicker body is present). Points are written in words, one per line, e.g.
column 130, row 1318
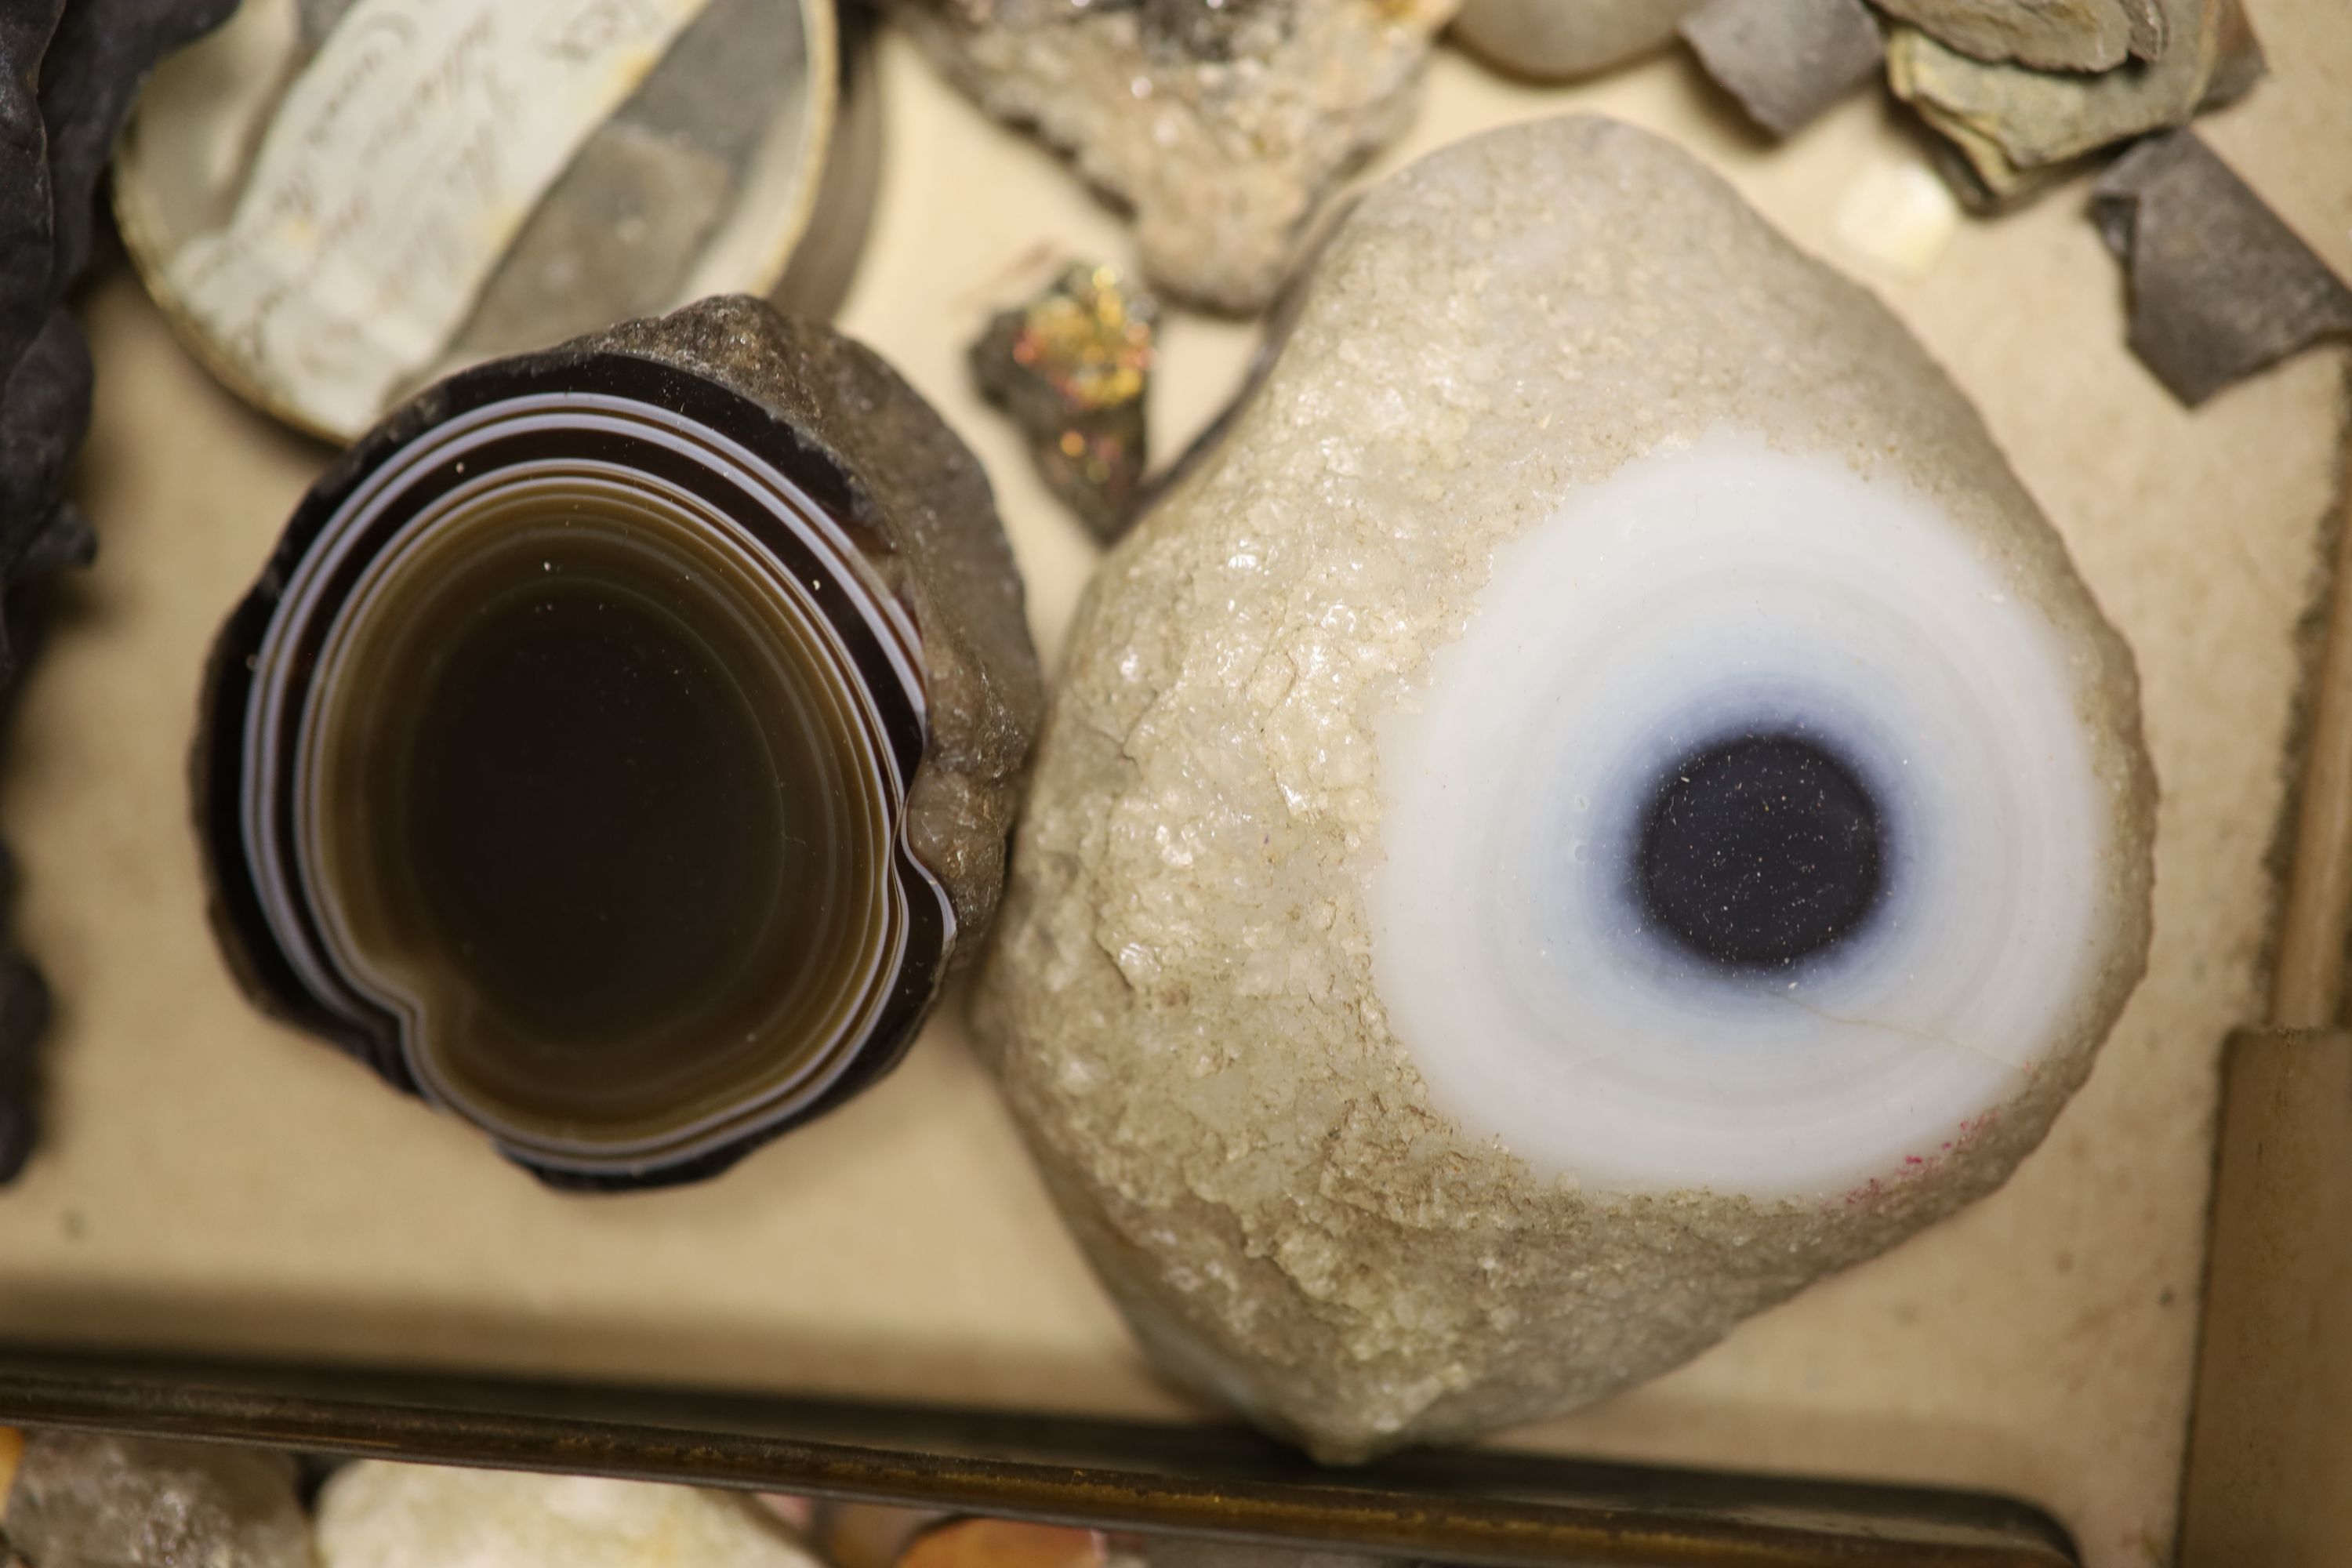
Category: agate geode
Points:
column 1602, row 800
column 620, row 744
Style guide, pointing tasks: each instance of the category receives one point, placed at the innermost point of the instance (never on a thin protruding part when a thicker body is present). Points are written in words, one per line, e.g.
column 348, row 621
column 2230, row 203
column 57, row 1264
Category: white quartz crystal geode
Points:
column 1601, row 802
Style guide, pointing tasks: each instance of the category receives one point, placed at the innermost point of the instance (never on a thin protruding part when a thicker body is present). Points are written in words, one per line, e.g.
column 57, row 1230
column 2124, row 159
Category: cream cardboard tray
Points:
column 214, row 1183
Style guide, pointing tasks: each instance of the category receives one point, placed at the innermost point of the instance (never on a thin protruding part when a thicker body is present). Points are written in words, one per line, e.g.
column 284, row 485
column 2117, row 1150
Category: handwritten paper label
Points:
column 395, row 174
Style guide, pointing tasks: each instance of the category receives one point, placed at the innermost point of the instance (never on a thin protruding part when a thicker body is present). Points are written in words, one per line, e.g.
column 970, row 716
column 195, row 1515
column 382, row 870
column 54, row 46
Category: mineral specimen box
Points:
column 215, row 1186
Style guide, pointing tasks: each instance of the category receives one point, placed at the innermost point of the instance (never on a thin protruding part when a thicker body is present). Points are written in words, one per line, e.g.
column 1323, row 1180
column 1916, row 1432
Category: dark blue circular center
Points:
column 1759, row 851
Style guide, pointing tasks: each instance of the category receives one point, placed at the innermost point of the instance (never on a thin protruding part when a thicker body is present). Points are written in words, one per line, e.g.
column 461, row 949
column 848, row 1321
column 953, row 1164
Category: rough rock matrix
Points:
column 86, row 1499
column 1222, row 124
column 1785, row 60
column 1180, row 1005
column 2219, row 286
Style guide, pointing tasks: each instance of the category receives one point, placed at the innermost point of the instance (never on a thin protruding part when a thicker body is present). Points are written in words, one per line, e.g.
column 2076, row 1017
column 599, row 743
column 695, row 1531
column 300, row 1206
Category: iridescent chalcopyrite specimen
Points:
column 622, row 742
column 1071, row 366
column 1601, row 802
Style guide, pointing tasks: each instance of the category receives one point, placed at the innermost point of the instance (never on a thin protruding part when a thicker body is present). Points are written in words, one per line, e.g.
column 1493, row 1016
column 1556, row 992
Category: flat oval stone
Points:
column 1557, row 40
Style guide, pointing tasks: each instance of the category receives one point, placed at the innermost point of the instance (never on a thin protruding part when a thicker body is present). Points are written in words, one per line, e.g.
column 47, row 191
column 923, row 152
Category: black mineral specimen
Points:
column 68, row 70
column 2220, row 285
column 1760, row 851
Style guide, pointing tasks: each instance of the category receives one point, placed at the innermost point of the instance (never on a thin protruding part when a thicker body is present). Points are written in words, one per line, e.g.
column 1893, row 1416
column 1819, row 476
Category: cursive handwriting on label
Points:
column 397, row 171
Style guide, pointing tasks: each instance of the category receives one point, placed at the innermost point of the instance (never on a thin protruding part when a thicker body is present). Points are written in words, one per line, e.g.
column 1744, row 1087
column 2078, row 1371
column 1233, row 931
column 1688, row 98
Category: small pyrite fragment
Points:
column 621, row 744
column 86, row 1500
column 1222, row 124
column 1593, row 808
column 2048, row 35
column 376, row 1514
column 1785, row 60
column 2017, row 130
column 1072, row 367
column 2219, row 286
column 1558, row 40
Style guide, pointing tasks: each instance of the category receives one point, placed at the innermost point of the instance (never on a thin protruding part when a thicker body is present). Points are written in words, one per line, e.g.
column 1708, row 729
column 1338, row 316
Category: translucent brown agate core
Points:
column 560, row 767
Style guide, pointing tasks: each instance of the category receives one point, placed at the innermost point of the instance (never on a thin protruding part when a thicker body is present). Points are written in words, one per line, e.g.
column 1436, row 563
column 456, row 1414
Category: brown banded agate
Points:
column 620, row 745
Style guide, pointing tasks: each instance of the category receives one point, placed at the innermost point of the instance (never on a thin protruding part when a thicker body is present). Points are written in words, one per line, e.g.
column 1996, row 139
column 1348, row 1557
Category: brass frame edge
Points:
column 1487, row 1508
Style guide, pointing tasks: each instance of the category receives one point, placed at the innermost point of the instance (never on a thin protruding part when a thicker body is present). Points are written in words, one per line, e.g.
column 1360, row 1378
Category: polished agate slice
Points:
column 620, row 745
column 1598, row 802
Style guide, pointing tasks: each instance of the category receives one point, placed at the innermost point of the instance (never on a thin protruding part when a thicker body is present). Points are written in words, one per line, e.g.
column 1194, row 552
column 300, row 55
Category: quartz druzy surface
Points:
column 376, row 1514
column 1221, row 124
column 621, row 746
column 1601, row 802
column 92, row 1498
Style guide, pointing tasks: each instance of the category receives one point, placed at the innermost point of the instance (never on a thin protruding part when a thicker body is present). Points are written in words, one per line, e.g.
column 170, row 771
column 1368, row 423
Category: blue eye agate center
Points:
column 1759, row 851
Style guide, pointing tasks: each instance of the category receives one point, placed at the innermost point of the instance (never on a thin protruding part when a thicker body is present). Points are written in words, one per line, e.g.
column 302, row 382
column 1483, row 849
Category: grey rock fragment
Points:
column 2049, row 35
column 1222, row 126
column 1785, row 60
column 1557, row 40
column 2219, row 286
column 88, row 1500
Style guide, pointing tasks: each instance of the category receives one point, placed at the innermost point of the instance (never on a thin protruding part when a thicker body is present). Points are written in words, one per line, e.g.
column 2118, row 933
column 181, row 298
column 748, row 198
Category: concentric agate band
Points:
column 774, row 510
